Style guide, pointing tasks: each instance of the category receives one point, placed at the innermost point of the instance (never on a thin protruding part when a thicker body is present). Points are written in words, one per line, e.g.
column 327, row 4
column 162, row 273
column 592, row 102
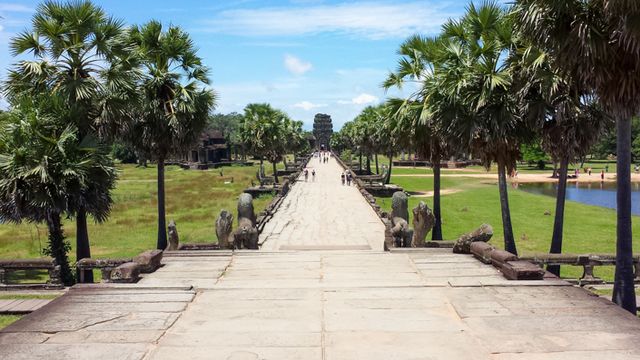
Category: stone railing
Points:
column 512, row 267
column 587, row 261
column 265, row 215
column 7, row 266
column 126, row 270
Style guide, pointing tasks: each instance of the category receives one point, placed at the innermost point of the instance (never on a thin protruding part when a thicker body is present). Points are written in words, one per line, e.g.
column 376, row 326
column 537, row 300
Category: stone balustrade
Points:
column 48, row 264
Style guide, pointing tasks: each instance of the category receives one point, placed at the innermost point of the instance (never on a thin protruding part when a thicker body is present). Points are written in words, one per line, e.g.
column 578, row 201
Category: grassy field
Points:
column 194, row 200
column 588, row 229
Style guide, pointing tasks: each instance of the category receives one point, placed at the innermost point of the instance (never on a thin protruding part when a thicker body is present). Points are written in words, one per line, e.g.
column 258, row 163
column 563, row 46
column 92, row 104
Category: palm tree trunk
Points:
column 360, row 161
column 368, row 164
column 388, row 179
column 558, row 223
column 436, row 234
column 58, row 248
column 509, row 242
column 377, row 169
column 83, row 249
column 275, row 173
column 162, row 221
column 623, row 287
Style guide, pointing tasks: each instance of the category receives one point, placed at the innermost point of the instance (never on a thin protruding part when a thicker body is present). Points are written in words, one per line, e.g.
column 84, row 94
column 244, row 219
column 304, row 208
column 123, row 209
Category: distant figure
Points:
column 602, row 175
column 349, row 178
column 306, row 174
column 577, row 172
column 637, row 168
column 342, row 178
column 589, row 170
column 606, row 168
column 313, row 174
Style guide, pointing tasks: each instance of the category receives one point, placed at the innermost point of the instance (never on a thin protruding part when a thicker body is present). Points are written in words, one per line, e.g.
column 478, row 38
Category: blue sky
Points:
column 302, row 56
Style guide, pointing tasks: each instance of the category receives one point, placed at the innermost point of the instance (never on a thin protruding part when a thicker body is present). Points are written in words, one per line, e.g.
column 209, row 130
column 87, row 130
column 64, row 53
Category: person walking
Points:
column 602, row 175
column 349, row 178
column 313, row 175
column 342, row 178
column 306, row 174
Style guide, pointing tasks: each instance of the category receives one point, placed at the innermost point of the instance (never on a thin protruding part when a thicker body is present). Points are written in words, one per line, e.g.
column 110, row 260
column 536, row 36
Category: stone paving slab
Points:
column 327, row 305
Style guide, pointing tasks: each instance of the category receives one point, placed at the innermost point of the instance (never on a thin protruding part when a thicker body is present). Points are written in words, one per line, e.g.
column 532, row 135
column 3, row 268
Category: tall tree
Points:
column 484, row 42
column 569, row 121
column 43, row 168
column 424, row 118
column 174, row 100
column 82, row 57
column 270, row 133
column 597, row 42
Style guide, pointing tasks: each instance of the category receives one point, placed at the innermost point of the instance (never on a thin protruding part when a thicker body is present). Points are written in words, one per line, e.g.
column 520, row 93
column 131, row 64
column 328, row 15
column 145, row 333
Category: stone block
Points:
column 149, row 261
column 499, row 257
column 521, row 270
column 126, row 273
column 482, row 251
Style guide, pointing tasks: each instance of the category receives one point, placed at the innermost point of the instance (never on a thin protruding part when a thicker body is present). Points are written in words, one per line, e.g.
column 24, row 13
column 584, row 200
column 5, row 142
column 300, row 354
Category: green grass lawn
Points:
column 6, row 320
column 194, row 199
column 587, row 229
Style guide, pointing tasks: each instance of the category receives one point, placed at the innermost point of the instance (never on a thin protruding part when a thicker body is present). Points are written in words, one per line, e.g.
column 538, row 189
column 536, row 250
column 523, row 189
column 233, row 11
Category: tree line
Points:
column 557, row 78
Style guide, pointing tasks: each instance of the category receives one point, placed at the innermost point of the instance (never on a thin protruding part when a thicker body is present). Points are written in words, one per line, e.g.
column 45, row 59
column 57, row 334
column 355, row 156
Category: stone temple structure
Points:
column 322, row 130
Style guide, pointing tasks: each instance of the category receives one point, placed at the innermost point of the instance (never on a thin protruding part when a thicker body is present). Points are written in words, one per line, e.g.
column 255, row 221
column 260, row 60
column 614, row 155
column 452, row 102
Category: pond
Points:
column 591, row 193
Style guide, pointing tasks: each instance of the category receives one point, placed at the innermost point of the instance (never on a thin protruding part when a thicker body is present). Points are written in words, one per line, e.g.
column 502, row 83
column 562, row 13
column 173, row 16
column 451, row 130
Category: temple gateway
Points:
column 322, row 130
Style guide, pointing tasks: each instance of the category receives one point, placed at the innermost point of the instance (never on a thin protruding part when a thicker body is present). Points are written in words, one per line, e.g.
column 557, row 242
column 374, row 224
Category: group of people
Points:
column 346, row 177
column 306, row 174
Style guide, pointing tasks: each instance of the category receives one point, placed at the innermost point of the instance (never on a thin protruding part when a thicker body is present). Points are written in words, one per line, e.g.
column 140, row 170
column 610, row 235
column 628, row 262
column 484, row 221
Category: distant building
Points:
column 211, row 148
column 322, row 131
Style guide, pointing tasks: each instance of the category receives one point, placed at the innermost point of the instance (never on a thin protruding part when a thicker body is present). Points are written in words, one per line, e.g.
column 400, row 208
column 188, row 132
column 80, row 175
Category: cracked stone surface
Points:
column 325, row 304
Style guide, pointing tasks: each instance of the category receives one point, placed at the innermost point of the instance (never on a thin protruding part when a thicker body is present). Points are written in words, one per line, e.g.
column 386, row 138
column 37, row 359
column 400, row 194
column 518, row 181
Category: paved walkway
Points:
column 322, row 214
column 326, row 305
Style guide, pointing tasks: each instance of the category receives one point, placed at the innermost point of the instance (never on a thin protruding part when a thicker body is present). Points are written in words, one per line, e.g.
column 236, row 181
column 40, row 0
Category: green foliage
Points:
column 124, row 153
column 533, row 154
column 45, row 172
column 174, row 101
column 270, row 134
column 228, row 124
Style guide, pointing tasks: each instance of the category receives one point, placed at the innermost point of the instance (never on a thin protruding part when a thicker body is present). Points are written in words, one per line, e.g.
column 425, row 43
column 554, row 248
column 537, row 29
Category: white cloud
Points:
column 295, row 65
column 364, row 99
column 375, row 20
column 10, row 7
column 307, row 105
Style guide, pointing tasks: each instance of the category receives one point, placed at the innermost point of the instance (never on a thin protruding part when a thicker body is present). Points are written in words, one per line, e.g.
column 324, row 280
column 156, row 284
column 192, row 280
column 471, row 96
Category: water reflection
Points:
column 599, row 194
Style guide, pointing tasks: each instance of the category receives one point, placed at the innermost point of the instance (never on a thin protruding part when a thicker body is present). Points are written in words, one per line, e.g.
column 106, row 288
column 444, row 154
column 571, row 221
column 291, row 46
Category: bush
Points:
column 124, row 153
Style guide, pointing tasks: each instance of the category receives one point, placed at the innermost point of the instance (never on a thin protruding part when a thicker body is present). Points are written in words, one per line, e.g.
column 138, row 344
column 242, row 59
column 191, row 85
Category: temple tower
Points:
column 322, row 130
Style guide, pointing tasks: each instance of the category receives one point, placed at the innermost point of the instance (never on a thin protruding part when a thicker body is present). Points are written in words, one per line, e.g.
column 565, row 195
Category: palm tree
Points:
column 268, row 131
column 174, row 102
column 423, row 118
column 597, row 43
column 483, row 40
column 82, row 57
column 569, row 121
column 43, row 167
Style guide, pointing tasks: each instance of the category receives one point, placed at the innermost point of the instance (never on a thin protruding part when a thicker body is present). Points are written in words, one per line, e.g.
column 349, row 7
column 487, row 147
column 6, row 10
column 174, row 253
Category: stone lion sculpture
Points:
column 399, row 217
column 224, row 225
column 246, row 235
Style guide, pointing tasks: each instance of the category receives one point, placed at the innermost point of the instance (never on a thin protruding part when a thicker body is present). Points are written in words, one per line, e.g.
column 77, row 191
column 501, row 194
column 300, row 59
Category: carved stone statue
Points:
column 463, row 244
column 423, row 221
column 246, row 235
column 224, row 225
column 399, row 220
column 174, row 239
